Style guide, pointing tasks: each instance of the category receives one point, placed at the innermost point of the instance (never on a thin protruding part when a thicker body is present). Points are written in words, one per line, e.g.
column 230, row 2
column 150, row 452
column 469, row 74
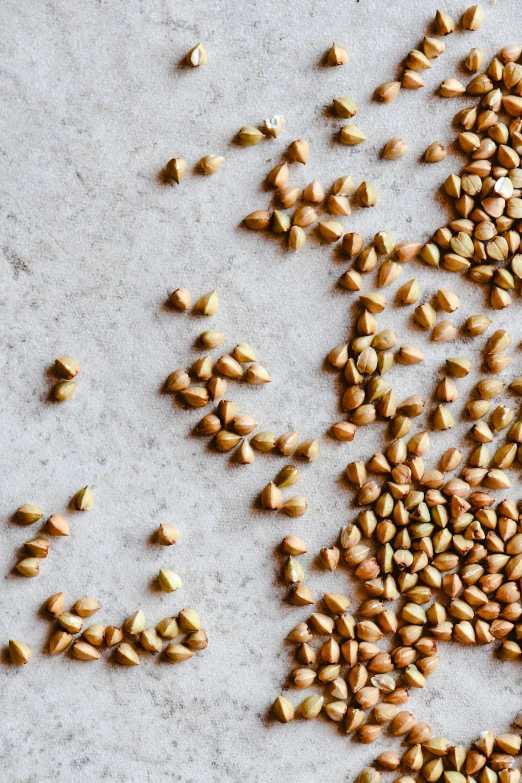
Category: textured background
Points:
column 95, row 101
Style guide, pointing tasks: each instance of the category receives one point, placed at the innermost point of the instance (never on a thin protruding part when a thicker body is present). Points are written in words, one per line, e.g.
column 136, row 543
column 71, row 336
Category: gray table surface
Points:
column 95, row 101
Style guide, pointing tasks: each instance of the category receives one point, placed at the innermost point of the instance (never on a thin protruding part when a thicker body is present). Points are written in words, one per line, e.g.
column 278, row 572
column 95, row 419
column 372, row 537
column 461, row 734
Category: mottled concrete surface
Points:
column 95, row 100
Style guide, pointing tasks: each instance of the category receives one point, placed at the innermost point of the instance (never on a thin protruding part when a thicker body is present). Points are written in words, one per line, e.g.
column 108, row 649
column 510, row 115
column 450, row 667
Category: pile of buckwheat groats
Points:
column 438, row 555
column 491, row 757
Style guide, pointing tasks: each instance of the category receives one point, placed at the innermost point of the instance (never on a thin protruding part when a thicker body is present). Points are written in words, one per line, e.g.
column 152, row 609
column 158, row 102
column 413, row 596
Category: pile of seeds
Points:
column 484, row 239
column 491, row 757
column 369, row 355
column 450, row 555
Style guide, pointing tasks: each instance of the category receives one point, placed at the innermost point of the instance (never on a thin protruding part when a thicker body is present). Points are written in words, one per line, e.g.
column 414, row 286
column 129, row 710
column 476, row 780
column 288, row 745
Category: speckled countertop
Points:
column 95, row 101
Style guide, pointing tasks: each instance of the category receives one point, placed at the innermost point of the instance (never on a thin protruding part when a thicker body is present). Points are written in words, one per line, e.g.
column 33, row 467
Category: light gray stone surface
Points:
column 95, row 101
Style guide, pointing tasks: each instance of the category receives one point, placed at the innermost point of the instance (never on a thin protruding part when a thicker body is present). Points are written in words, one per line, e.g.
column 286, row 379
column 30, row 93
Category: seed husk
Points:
column 175, row 170
column 412, row 80
column 177, row 381
column 433, row 47
column 271, row 497
column 70, row 622
column 66, row 367
column 330, row 230
column 55, row 604
column 168, row 580
column 309, row 449
column 311, row 707
column 65, row 391
column 264, row 441
column 28, row 566
column 435, row 152
column 296, row 239
column 367, row 195
column 257, row 220
column 283, row 710
column 339, row 205
column 458, row 367
column 472, row 18
column 409, row 292
column 168, row 628
column 474, row 60
column 180, row 299
column 345, row 107
column 408, row 354
column 127, row 655
column 38, row 547
column 295, row 506
column 299, row 151
column 20, row 652
column 57, row 525
column 84, row 651
column 337, row 55
column 417, row 61
column 351, row 135
column 86, row 607
column 444, row 24
column 451, row 88
column 28, row 514
column 425, row 316
column 257, row 375
column 388, row 91
column 274, row 125
column 83, row 500
column 197, row 56
column 344, row 431
column 444, row 331
column 248, row 136
column 59, row 642
column 210, row 164
column 314, row 192
column 394, row 149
